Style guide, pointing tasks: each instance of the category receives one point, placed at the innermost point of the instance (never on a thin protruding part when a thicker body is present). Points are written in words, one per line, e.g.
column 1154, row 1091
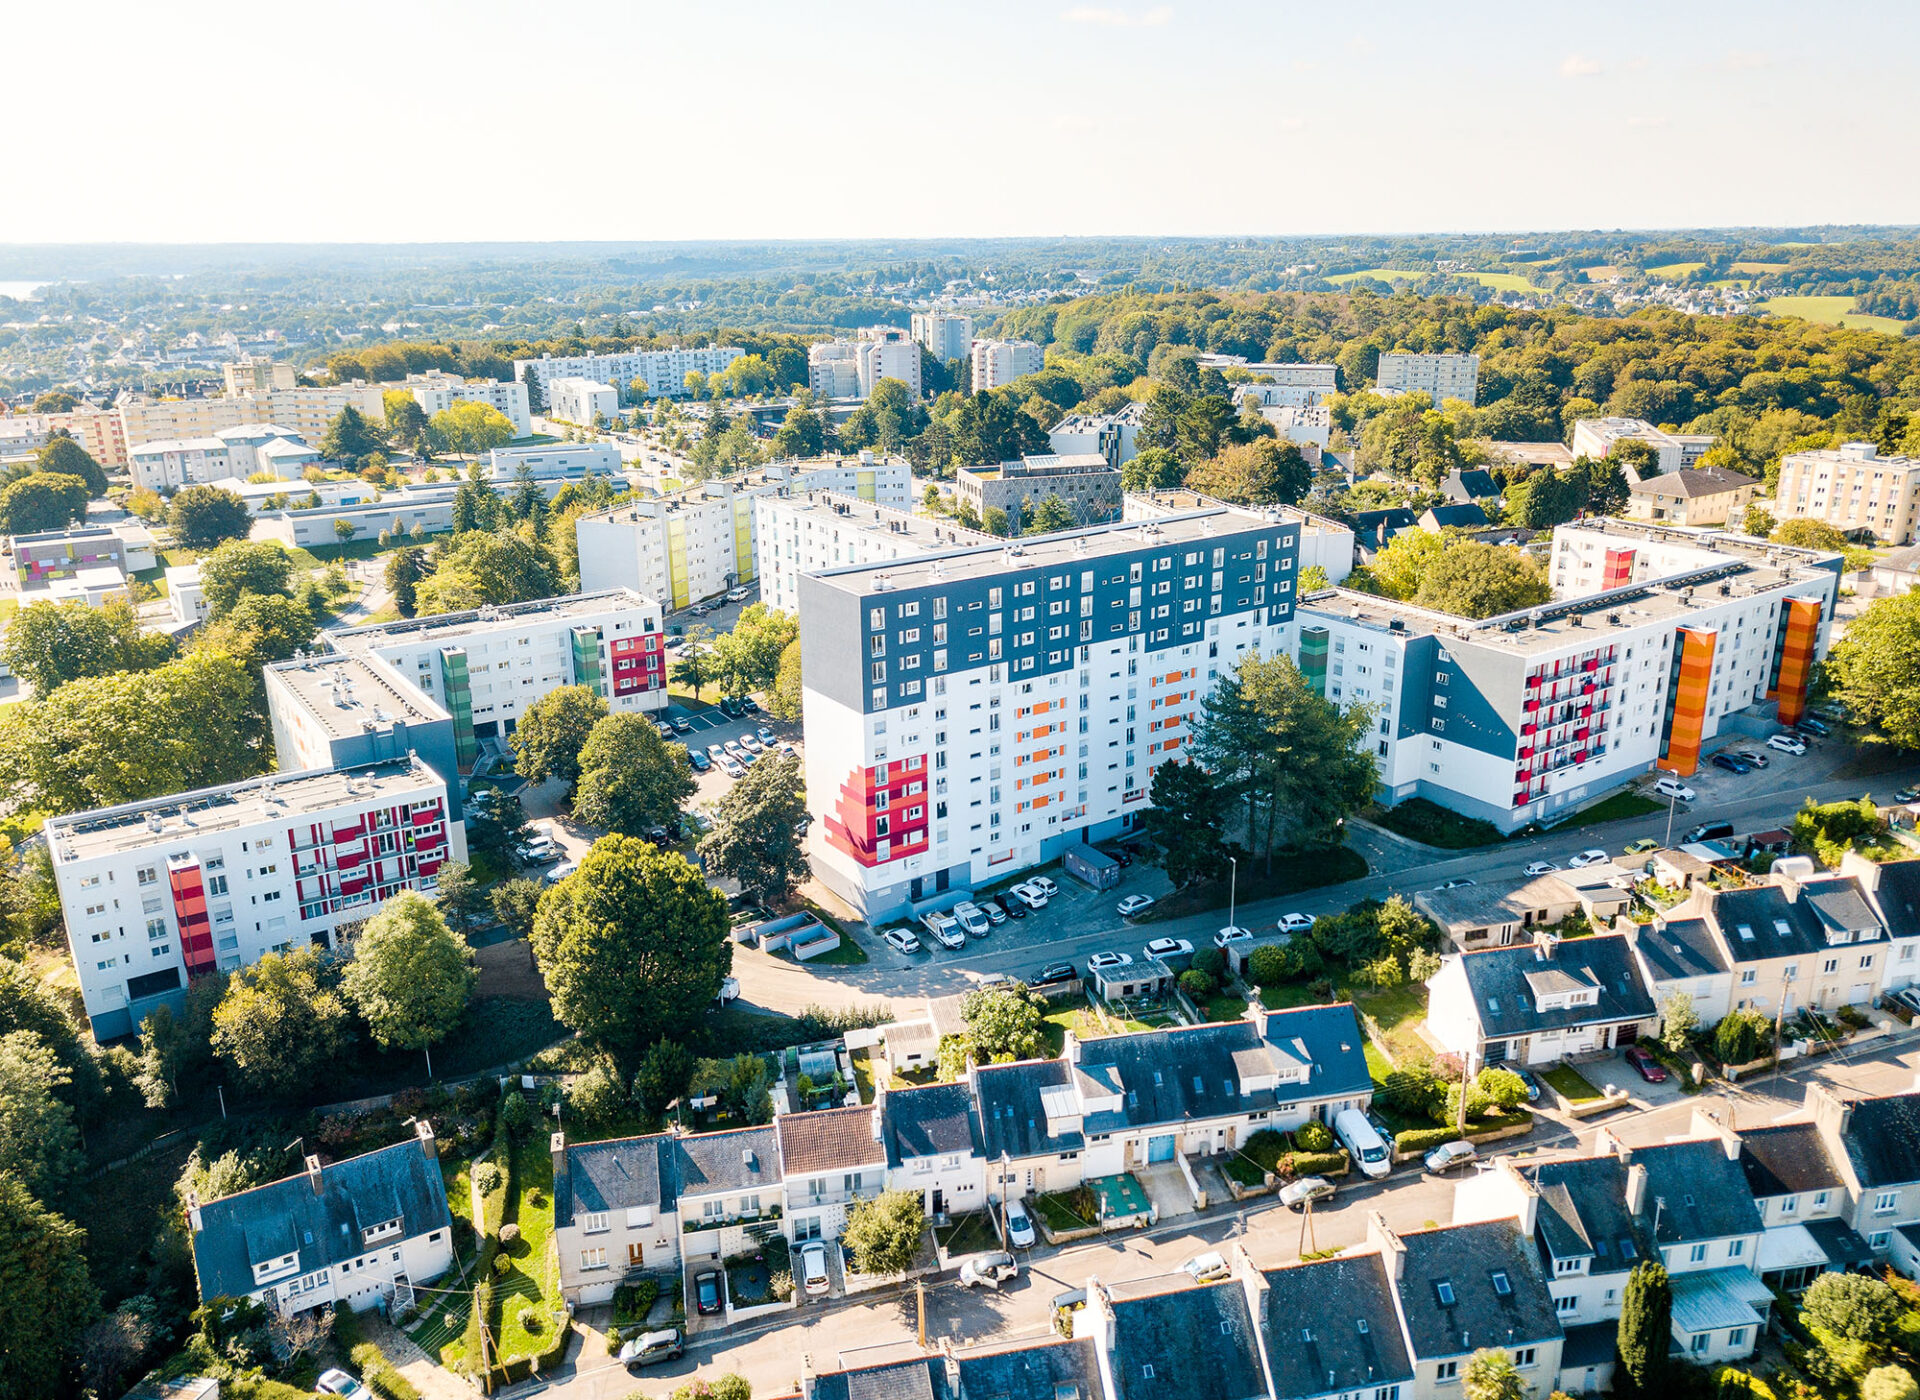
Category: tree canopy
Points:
column 66, row 457
column 755, row 837
column 884, row 1232
column 282, row 1023
column 630, row 778
column 46, row 1296
column 488, row 567
column 202, row 516
column 1875, row 669
column 410, row 977
column 42, row 501
column 52, row 643
column 1470, row 579
column 235, row 568
column 552, row 732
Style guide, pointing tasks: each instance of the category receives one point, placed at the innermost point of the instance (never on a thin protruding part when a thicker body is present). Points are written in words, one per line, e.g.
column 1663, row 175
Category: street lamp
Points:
column 1233, row 888
column 1673, row 801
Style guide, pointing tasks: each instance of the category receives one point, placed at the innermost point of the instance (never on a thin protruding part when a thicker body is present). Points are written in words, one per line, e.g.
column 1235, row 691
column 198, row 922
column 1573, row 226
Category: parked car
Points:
column 1456, row 884
column 1019, row 1225
column 1295, row 923
column 1909, row 997
column 1169, row 948
column 1231, row 935
column 1363, row 1141
column 949, row 936
column 995, row 911
column 1753, row 758
column 1786, row 743
column 1910, row 793
column 1013, row 907
column 706, row 1292
column 1641, row 847
column 733, row 747
column 540, row 850
column 1731, row 763
column 749, row 704
column 1054, row 972
column 1643, row 1062
column 649, row 1347
column 1674, row 788
column 1708, row 831
column 1810, row 725
column 766, row 736
column 1525, row 1076
column 337, row 1382
column 813, row 1268
column 1449, row 1155
column 937, row 923
column 716, row 752
column 729, row 991
column 972, row 918
column 1100, row 962
column 901, row 940
column 555, row 874
column 1122, row 857
column 1593, row 855
column 1296, row 1194
column 988, row 1270
column 752, row 744
column 1044, row 885
column 1541, row 867
column 732, row 766
column 699, row 760
column 1207, row 1268
column 1134, row 904
column 665, row 730
column 790, row 751
column 682, row 724
column 1029, row 896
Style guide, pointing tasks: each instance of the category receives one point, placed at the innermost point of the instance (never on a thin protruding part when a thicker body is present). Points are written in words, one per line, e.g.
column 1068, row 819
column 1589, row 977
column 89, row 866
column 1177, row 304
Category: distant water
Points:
column 21, row 291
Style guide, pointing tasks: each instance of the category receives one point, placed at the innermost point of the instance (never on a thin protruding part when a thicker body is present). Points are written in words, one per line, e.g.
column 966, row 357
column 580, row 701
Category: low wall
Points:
column 1593, row 1108
column 747, row 1314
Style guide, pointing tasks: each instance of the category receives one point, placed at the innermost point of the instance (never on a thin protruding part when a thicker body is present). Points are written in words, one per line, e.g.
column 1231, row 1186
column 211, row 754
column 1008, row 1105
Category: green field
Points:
column 1674, row 269
column 1832, row 311
column 1498, row 281
column 1760, row 267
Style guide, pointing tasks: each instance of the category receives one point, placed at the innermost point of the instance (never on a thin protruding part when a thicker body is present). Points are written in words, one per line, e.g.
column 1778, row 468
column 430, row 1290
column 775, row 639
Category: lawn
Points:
column 1378, row 1065
column 1224, row 1006
column 1618, row 807
column 1679, row 269
column 1069, row 1210
column 1501, row 281
column 1571, row 1084
column 1293, row 872
column 1429, row 823
column 443, row 1324
column 532, row 1278
column 972, row 1233
column 1397, row 1010
column 1832, row 311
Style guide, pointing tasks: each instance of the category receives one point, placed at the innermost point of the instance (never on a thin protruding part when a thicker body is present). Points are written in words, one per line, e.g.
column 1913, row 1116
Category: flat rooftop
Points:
column 1044, row 465
column 1068, row 547
column 276, row 798
column 348, row 694
column 442, row 627
column 850, row 513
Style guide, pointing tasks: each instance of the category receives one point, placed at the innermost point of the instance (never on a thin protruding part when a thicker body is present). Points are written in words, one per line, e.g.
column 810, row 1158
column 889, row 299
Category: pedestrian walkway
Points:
column 432, row 1380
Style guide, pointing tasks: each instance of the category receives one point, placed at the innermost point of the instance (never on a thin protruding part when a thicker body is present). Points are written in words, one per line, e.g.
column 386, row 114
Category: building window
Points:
column 593, row 1258
column 1567, row 1305
column 1698, row 1255
column 1523, row 1357
column 1885, row 1202
column 1447, row 1371
column 1736, row 1248
column 1789, row 1204
column 1699, row 1343
column 1737, row 1337
column 1878, row 1239
column 593, row 1222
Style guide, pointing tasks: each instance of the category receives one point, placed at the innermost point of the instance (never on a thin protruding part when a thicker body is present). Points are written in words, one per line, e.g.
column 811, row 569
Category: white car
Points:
column 1019, row 1225
column 1100, row 962
column 1029, row 896
column 560, row 872
column 1295, row 923
column 1207, row 1268
column 1673, row 787
column 1542, row 867
column 765, row 736
column 1135, row 904
column 1231, row 935
column 813, row 1267
column 972, row 918
column 751, row 744
column 901, row 940
column 732, row 767
column 1044, row 885
column 1169, row 948
column 1786, row 743
column 1296, row 1194
column 949, row 936
column 729, row 990
column 336, row 1382
column 1590, row 856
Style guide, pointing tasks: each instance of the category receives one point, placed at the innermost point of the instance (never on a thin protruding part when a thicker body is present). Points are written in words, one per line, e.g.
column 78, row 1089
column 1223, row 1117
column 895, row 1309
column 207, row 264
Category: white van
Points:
column 1370, row 1151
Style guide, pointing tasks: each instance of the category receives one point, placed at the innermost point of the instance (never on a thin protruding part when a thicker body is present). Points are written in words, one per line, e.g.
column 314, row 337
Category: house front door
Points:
column 636, row 1256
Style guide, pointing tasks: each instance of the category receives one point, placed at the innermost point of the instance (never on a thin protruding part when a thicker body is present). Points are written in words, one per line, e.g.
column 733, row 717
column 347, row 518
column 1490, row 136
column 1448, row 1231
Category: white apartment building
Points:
column 1595, row 437
column 1654, row 637
column 554, row 461
column 997, row 362
column 664, row 372
column 808, row 531
column 948, row 335
column 1272, row 396
column 306, row 412
column 157, row 892
column 883, row 480
column 1852, row 488
column 186, row 599
column 876, row 353
column 1441, row 377
column 582, row 401
column 1306, row 427
column 1321, row 379
column 833, row 370
column 246, row 441
column 175, row 462
column 252, row 374
column 436, row 390
column 1112, row 435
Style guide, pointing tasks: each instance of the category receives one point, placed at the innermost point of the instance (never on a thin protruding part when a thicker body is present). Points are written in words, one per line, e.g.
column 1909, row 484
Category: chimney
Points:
column 423, row 1133
column 193, row 1213
column 313, row 1175
column 1636, row 1189
column 1382, row 1236
column 1830, row 1111
column 1070, row 1049
column 1543, row 945
column 557, row 1144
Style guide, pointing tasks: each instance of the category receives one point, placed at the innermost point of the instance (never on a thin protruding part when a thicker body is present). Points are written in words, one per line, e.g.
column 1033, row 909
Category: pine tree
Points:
column 1646, row 1322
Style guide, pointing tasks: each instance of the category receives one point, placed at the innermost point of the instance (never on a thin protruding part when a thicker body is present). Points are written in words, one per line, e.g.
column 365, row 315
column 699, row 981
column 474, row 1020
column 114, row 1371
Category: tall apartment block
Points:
column 1655, row 636
column 436, row 391
column 1851, row 487
column 582, row 401
column 663, row 371
column 841, row 369
column 1595, row 437
column 997, row 362
column 803, row 531
column 1012, row 700
column 1112, row 435
column 1441, row 377
column 1086, row 483
column 948, row 335
column 159, row 892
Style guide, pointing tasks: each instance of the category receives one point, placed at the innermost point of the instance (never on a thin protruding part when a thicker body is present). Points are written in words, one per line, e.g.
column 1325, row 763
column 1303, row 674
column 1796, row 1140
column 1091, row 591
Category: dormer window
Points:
column 384, row 1230
column 1746, row 932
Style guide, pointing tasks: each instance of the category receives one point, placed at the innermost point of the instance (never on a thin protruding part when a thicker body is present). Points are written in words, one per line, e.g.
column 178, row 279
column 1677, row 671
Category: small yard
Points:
column 1258, row 1155
column 1397, row 1011
column 1225, row 1006
column 1623, row 804
column 1429, row 823
column 1569, row 1083
column 1078, row 1209
column 972, row 1233
column 531, row 1284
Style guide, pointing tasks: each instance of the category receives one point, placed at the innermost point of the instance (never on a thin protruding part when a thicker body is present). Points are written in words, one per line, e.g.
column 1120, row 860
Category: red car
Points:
column 1650, row 1069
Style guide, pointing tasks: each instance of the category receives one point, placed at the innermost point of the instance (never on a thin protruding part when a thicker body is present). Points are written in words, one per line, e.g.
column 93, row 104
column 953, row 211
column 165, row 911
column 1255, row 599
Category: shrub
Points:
column 1196, row 984
column 1313, row 1136
column 1212, row 961
column 509, row 1233
column 501, row 1263
column 1314, row 1163
column 1320, row 989
column 1266, row 965
column 598, row 1095
column 1414, row 1092
column 516, row 1114
column 378, row 1372
column 1505, row 1088
column 487, row 1178
column 1742, row 1036
column 531, row 1320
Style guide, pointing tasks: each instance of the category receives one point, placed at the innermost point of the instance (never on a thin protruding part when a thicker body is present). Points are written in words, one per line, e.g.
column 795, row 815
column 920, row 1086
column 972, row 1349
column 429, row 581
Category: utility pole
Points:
column 1673, row 801
column 920, row 1299
column 1466, row 1079
column 1233, row 888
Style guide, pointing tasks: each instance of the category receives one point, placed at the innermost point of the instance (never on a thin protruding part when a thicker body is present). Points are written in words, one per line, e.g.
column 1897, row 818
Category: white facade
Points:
column 155, row 892
column 1851, row 487
column 1322, row 379
column 997, row 362
column 883, row 480
column 1308, row 427
column 1441, row 377
column 1112, row 435
column 175, row 462
column 1595, row 437
column 664, row 372
column 833, row 369
column 886, row 353
column 679, row 548
column 561, row 461
column 947, row 334
column 582, row 401
column 185, row 597
column 436, row 391
column 807, row 531
column 245, row 441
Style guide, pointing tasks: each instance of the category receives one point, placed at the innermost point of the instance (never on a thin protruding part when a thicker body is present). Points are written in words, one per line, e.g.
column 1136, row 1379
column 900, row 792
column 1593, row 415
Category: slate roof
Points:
column 1372, row 527
column 1193, row 1072
column 1189, row 1344
column 833, row 1139
column 1583, row 1213
column 1883, row 1140
column 1503, row 995
column 1012, row 1120
column 1787, row 1159
column 1465, row 516
column 1467, row 1258
column 922, row 1378
column 1896, row 896
column 937, row 1121
column 1691, row 483
column 1591, row 1345
column 1679, row 950
column 741, row 1159
column 322, row 1227
column 616, row 1175
column 1696, row 1192
column 1330, row 1326
column 1051, row 1370
column 1782, row 927
column 1472, row 484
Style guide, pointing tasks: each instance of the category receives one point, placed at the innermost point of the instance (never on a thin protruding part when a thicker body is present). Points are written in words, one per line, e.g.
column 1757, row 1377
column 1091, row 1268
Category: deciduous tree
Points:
column 552, row 732
column 236, row 568
column 410, row 978
column 1005, row 1023
column 52, row 643
column 42, row 501
column 1151, row 469
column 756, row 837
column 46, row 1297
column 282, row 1023
column 202, row 516
column 630, row 778
column 350, row 439
column 66, row 457
column 1875, row 669
column 784, row 701
column 488, row 567
column 39, row 1143
column 1482, row 580
column 884, row 1232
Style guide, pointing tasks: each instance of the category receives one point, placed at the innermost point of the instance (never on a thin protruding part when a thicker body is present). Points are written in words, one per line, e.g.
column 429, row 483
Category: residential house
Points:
column 1372, row 529
column 1796, row 942
column 1329, row 1329
column 1692, row 496
column 1466, row 515
column 1031, row 1123
column 1055, row 1369
column 934, row 1146
column 1680, row 954
column 916, row 1378
column 1497, row 913
column 1875, row 1143
column 1463, row 1287
column 1803, row 1201
column 729, row 1190
column 1539, row 1002
column 1690, row 1200
column 1893, row 888
column 1179, row 1342
column 1468, row 485
column 830, row 1159
column 614, row 1212
column 356, row 1233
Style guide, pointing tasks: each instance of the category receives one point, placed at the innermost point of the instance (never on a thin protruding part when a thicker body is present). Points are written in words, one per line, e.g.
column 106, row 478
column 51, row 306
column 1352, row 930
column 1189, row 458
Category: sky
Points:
column 429, row 120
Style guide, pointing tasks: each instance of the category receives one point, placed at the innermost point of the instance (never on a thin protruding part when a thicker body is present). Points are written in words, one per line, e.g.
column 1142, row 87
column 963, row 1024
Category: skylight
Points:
column 1444, row 1289
column 1626, row 1249
column 1780, row 927
column 1746, row 932
column 1501, row 1284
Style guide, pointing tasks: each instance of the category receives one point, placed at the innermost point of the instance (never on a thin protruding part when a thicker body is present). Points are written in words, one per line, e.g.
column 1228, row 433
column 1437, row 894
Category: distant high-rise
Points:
column 997, row 362
column 948, row 335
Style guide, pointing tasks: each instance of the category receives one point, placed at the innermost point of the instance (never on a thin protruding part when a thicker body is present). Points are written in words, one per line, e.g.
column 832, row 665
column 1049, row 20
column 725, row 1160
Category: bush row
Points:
column 494, row 1178
column 1426, row 1139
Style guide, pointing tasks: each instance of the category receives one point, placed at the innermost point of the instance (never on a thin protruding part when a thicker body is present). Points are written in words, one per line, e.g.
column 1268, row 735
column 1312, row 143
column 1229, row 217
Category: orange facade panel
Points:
column 1793, row 666
column 1687, row 717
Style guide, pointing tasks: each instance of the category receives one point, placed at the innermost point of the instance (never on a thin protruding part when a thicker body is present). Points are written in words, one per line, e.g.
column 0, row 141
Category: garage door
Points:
column 1160, row 1149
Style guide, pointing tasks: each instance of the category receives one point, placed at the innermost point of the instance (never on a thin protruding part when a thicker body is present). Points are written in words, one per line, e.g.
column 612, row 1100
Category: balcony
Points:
column 716, row 1222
